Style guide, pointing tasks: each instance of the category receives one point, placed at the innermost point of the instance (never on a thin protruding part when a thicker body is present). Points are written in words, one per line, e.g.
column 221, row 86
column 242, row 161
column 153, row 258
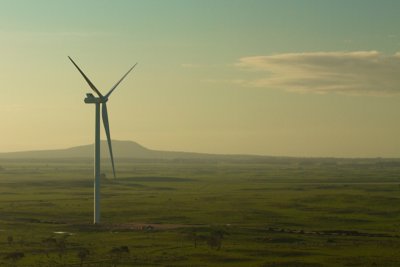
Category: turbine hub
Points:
column 91, row 99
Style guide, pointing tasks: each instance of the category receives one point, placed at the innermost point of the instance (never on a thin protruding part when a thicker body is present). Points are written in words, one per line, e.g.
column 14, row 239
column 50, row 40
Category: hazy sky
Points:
column 297, row 78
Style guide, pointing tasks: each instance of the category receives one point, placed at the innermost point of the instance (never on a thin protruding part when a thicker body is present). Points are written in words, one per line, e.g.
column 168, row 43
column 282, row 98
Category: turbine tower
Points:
column 101, row 99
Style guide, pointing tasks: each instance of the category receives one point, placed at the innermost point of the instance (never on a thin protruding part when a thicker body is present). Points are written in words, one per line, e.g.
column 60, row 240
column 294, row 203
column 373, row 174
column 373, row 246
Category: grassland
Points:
column 265, row 212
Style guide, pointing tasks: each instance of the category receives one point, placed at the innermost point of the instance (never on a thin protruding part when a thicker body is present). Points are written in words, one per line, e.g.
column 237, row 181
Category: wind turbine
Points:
column 101, row 99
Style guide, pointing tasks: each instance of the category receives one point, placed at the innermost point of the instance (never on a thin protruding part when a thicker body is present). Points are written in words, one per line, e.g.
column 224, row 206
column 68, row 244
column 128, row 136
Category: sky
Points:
column 310, row 78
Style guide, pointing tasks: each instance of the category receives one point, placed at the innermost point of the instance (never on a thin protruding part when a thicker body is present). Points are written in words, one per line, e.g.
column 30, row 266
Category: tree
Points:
column 61, row 245
column 49, row 243
column 215, row 238
column 83, row 254
column 215, row 242
column 58, row 245
column 117, row 254
column 10, row 240
column 192, row 236
column 14, row 256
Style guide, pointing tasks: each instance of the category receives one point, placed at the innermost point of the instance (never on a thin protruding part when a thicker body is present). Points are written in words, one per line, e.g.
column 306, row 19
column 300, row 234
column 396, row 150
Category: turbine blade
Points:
column 115, row 86
column 107, row 129
column 87, row 79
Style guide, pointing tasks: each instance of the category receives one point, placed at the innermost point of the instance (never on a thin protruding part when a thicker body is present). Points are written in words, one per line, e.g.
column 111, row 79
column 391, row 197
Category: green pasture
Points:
column 265, row 212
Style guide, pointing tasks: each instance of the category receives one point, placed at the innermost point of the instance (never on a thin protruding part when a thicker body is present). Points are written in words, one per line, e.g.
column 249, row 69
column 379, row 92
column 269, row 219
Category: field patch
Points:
column 157, row 179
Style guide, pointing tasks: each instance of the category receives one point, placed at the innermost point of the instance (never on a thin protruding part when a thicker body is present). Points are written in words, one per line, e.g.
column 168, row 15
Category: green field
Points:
column 266, row 212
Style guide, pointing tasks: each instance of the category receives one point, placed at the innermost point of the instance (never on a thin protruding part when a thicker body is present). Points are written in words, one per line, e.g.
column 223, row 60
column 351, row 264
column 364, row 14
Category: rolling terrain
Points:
column 218, row 211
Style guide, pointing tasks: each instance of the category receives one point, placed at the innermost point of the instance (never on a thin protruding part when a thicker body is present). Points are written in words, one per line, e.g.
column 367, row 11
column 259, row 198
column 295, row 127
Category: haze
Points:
column 294, row 78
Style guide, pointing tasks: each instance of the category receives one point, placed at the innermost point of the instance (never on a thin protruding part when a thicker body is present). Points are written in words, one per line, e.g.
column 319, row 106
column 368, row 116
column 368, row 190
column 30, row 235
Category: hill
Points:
column 133, row 150
column 121, row 149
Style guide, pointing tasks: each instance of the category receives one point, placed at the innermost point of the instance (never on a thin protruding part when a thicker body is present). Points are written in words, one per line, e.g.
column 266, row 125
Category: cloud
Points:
column 355, row 73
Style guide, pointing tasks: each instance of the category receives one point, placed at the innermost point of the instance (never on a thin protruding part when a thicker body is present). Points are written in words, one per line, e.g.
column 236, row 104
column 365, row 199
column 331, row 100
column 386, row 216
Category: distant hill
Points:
column 121, row 149
column 133, row 150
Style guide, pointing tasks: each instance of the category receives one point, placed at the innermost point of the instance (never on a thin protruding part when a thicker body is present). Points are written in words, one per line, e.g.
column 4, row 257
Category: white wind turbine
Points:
column 91, row 99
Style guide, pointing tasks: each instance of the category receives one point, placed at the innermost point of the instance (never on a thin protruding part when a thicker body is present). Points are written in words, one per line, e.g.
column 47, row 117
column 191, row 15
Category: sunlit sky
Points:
column 292, row 78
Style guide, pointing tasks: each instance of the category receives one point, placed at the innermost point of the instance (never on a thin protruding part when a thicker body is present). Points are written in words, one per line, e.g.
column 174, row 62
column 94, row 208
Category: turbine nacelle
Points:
column 91, row 99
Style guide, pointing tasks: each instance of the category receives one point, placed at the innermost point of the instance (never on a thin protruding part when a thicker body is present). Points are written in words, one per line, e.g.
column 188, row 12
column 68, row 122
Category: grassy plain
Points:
column 261, row 212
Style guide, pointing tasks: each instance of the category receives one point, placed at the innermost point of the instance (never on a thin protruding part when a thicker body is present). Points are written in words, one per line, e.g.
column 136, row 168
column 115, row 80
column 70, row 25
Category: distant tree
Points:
column 82, row 255
column 193, row 236
column 49, row 243
column 61, row 246
column 214, row 242
column 117, row 254
column 58, row 245
column 10, row 240
column 219, row 233
column 215, row 238
column 14, row 256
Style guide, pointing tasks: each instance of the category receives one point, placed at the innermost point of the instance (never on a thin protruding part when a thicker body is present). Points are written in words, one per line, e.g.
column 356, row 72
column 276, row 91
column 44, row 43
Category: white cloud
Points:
column 359, row 72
